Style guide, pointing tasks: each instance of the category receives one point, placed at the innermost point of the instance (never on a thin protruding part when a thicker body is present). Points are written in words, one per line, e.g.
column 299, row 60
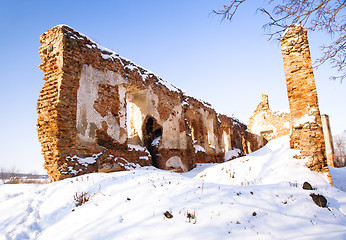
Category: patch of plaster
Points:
column 171, row 134
column 175, row 163
column 87, row 117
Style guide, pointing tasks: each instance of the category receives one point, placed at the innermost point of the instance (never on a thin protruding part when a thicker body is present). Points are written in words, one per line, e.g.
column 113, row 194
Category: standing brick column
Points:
column 49, row 105
column 307, row 134
column 328, row 139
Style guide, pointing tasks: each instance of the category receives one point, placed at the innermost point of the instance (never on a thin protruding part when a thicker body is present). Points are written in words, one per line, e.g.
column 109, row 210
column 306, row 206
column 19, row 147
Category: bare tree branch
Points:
column 340, row 151
column 229, row 11
column 316, row 15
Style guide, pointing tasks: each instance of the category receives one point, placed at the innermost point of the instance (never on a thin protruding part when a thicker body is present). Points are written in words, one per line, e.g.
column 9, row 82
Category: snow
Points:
column 144, row 157
column 232, row 154
column 305, row 119
column 184, row 103
column 156, row 141
column 137, row 148
column 81, row 162
column 108, row 54
column 258, row 196
column 126, row 164
column 272, row 164
column 198, row 148
column 339, row 177
column 287, row 124
column 292, row 25
column 168, row 85
column 283, row 111
column 88, row 160
column 189, row 96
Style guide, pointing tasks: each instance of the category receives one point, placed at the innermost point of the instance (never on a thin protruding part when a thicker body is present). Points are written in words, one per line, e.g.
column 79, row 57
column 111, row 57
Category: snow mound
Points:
column 339, row 177
column 234, row 153
column 274, row 163
column 204, row 203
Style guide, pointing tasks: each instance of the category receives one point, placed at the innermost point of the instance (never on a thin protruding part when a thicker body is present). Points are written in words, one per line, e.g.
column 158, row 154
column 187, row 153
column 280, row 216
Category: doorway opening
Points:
column 266, row 136
column 152, row 133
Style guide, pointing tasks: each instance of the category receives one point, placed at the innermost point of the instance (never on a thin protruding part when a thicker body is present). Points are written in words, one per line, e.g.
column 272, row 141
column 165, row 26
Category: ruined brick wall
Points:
column 268, row 124
column 203, row 124
column 48, row 106
column 213, row 134
column 235, row 135
column 98, row 112
column 307, row 134
column 66, row 136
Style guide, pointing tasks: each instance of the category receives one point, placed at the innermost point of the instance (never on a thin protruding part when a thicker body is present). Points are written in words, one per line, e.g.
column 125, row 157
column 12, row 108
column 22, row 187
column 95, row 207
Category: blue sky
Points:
column 227, row 64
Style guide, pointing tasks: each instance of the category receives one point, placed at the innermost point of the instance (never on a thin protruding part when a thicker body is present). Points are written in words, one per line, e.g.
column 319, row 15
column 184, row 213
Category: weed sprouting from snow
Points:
column 245, row 183
column 191, row 216
column 81, row 198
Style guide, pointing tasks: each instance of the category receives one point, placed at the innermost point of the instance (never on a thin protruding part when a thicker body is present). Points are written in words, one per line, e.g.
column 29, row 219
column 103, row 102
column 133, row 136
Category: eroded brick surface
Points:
column 328, row 139
column 269, row 124
column 99, row 112
column 307, row 134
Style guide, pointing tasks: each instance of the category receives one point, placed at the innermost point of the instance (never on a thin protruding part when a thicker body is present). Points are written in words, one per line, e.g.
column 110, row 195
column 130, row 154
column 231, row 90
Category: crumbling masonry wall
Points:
column 98, row 112
column 268, row 124
column 328, row 138
column 307, row 134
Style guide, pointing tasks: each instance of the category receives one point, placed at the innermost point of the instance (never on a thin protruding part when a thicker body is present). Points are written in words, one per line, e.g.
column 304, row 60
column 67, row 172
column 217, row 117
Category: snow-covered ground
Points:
column 258, row 196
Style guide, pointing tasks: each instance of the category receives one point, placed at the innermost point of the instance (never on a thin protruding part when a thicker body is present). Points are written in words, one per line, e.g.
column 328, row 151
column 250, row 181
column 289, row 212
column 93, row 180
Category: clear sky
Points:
column 227, row 64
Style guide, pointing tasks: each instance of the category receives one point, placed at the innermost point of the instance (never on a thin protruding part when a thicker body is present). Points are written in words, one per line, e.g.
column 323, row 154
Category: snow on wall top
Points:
column 109, row 54
column 112, row 55
column 305, row 119
column 293, row 25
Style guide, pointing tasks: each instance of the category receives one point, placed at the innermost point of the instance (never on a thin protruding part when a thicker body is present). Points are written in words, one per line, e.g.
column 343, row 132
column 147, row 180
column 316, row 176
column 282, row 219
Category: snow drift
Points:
column 258, row 196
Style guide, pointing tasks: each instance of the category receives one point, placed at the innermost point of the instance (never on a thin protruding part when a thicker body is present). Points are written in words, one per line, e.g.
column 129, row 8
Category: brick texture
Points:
column 268, row 124
column 307, row 134
column 99, row 112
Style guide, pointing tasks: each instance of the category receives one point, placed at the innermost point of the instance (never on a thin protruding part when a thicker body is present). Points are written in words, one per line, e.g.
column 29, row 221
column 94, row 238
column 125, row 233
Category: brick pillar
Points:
column 48, row 105
column 307, row 134
column 328, row 139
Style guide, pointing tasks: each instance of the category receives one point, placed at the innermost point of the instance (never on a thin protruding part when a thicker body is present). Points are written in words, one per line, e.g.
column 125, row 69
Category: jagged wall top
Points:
column 111, row 55
column 89, row 91
column 108, row 54
column 294, row 39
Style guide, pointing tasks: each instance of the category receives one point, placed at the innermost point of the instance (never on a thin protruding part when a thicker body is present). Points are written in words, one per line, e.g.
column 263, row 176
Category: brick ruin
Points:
column 99, row 112
column 309, row 131
column 306, row 133
column 268, row 124
column 328, row 140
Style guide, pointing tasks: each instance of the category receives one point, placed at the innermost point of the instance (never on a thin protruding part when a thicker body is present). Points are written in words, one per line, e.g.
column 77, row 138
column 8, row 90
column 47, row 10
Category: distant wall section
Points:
column 268, row 124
